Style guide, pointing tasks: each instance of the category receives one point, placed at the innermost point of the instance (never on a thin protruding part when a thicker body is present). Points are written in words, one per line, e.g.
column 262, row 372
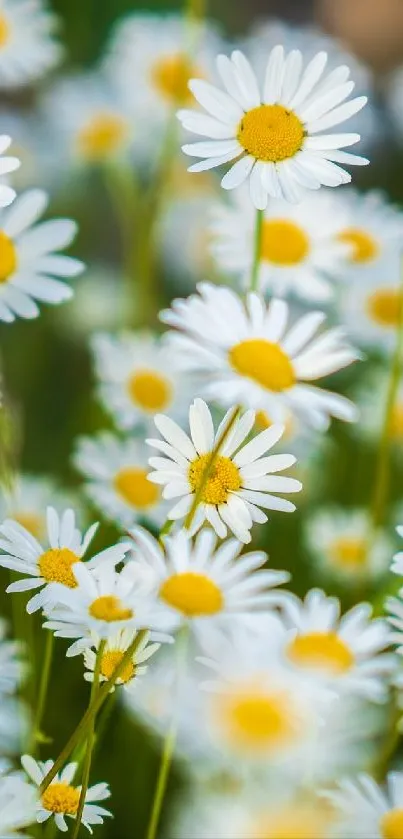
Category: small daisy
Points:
column 373, row 230
column 241, row 481
column 112, row 655
column 366, row 811
column 29, row 258
column 118, row 479
column 203, row 585
column 274, row 134
column 338, row 540
column 28, row 500
column 10, row 665
column 52, row 564
column 250, row 357
column 28, row 48
column 300, row 251
column 61, row 798
column 18, row 806
column 7, row 164
column 137, row 378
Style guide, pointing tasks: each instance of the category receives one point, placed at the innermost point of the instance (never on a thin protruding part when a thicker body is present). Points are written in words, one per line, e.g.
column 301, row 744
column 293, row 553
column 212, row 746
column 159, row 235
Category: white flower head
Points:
column 61, row 798
column 250, row 354
column 365, row 810
column 55, row 563
column 242, row 479
column 28, row 48
column 274, row 131
column 373, row 230
column 7, row 164
column 18, row 806
column 112, row 655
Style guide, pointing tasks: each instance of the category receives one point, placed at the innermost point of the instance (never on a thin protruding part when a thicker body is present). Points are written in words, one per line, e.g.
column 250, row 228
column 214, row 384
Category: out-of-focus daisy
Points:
column 112, row 655
column 205, row 585
column 15, row 726
column 338, row 540
column 28, row 48
column 18, row 806
column 370, row 305
column 241, row 481
column 250, row 357
column 184, row 239
column 7, row 164
column 28, row 500
column 30, row 261
column 300, row 252
column 137, row 378
column 371, row 398
column 10, row 663
column 273, row 129
column 52, row 564
column 118, row 483
column 366, row 811
column 373, row 230
column 61, row 798
column 33, row 147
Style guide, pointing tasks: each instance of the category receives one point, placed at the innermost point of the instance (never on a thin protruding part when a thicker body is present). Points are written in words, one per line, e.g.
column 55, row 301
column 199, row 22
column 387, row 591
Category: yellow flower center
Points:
column 102, row 136
column 55, row 566
column 4, row 30
column 322, row 651
column 61, row 798
column 171, row 76
column 396, row 425
column 109, row 663
column 263, row 421
column 150, row 391
column 364, row 248
column 8, row 257
column 384, row 307
column 135, row 488
column 296, row 822
column 195, row 595
column 257, row 719
column 264, row 362
column 283, row 242
column 109, row 608
column 271, row 133
column 223, row 478
column 33, row 522
column 391, row 824
column 349, row 553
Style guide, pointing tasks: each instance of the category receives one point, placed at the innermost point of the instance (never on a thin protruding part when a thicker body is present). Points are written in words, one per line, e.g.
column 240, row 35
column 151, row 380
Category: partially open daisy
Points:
column 61, row 798
column 250, row 357
column 18, row 806
column 373, row 230
column 118, row 479
column 112, row 655
column 242, row 479
column 275, row 133
column 29, row 258
column 54, row 563
column 370, row 306
column 364, row 809
column 28, row 48
column 27, row 502
column 7, row 164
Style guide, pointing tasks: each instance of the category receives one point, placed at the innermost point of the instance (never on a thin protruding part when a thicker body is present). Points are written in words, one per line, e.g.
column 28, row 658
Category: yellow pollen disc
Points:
column 135, row 488
column 4, row 31
column 349, row 553
column 61, row 798
column 56, row 564
column 322, row 651
column 109, row 663
column 34, row 523
column 151, row 391
column 264, row 363
column 396, row 425
column 8, row 257
column 224, row 478
column 391, row 824
column 298, row 822
column 102, row 136
column 109, row 608
column 195, row 595
column 283, row 242
column 171, row 76
column 271, row 133
column 364, row 247
column 257, row 719
column 384, row 307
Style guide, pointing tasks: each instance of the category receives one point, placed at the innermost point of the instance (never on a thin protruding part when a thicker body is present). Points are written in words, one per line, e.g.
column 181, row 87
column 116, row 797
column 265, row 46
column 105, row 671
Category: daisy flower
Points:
column 275, row 133
column 373, row 230
column 7, row 164
column 202, row 584
column 18, row 805
column 61, row 798
column 137, row 379
column 241, row 481
column 54, row 563
column 28, row 48
column 30, row 260
column 118, row 479
column 249, row 357
column 28, row 500
column 112, row 655
column 367, row 811
column 300, row 251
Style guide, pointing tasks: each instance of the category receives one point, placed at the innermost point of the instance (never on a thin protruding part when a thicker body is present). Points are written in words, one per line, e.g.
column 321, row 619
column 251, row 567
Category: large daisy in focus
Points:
column 28, row 48
column 275, row 134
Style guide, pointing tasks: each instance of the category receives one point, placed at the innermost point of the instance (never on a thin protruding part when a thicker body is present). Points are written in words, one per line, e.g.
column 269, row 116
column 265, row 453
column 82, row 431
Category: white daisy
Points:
column 365, row 810
column 205, row 585
column 112, row 655
column 29, row 259
column 274, row 134
column 18, row 804
column 54, row 563
column 241, row 481
column 118, row 479
column 7, row 164
column 28, row 48
column 250, row 357
column 300, row 251
column 27, row 502
column 373, row 230
column 10, row 664
column 137, row 378
column 61, row 798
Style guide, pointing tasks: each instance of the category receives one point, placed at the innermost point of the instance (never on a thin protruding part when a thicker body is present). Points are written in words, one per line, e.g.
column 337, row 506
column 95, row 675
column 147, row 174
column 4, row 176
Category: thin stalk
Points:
column 86, row 720
column 257, row 249
column 43, row 690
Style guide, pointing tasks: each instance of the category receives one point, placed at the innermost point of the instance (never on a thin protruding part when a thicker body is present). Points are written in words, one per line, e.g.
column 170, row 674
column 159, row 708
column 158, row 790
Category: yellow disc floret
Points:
column 61, row 798
column 271, row 133
column 135, row 488
column 348, row 552
column 109, row 662
column 283, row 242
column 109, row 608
column 263, row 362
column 102, row 136
column 364, row 247
column 257, row 719
column 8, row 257
column 384, row 307
column 322, row 651
column 4, row 31
column 171, row 76
column 55, row 566
column 150, row 391
column 195, row 595
column 222, row 479
column 391, row 824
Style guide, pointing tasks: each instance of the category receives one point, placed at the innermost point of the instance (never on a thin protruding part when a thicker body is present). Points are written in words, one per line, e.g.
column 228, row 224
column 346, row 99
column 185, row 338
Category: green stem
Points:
column 43, row 690
column 123, row 193
column 86, row 720
column 257, row 249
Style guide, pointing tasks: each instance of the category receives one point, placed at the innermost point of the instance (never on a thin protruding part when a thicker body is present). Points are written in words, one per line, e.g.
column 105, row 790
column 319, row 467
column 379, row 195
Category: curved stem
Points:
column 43, row 689
column 257, row 249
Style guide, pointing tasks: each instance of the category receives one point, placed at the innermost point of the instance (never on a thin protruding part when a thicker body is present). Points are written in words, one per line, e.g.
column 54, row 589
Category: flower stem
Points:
column 123, row 192
column 42, row 693
column 257, row 249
